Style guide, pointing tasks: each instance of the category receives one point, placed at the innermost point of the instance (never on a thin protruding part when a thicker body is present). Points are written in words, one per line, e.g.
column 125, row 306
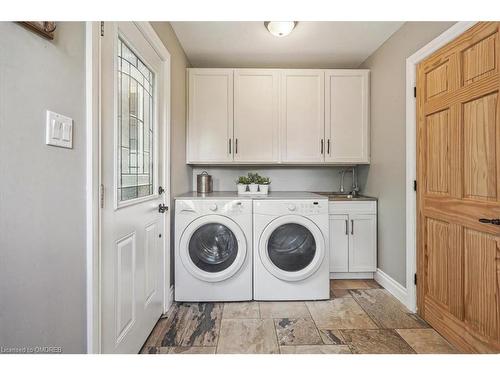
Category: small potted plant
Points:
column 253, row 183
column 242, row 184
column 264, row 183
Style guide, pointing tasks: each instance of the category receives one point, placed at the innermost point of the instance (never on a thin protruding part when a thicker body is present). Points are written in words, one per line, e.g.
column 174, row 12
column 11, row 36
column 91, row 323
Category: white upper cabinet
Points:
column 302, row 116
column 271, row 116
column 256, row 121
column 347, row 129
column 210, row 116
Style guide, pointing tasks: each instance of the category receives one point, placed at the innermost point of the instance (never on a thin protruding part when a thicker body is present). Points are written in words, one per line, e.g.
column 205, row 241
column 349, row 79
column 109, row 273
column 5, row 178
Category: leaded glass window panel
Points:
column 135, row 125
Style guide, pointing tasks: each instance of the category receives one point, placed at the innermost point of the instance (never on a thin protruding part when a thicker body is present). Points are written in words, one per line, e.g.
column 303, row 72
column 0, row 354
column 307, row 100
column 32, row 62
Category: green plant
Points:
column 253, row 177
column 243, row 180
column 264, row 181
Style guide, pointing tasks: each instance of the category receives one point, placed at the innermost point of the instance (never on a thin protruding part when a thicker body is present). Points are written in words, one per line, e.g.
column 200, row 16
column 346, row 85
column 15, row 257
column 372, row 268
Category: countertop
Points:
column 235, row 195
column 340, row 198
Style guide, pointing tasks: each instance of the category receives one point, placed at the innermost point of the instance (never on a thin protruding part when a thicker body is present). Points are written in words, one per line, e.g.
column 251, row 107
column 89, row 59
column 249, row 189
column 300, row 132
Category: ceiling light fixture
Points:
column 280, row 28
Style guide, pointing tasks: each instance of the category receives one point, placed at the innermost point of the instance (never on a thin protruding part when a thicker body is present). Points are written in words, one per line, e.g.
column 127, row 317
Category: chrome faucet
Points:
column 355, row 188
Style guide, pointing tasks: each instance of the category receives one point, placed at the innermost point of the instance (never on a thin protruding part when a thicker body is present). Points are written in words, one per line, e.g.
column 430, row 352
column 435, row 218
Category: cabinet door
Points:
column 302, row 116
column 347, row 116
column 362, row 243
column 210, row 115
column 256, row 95
column 339, row 243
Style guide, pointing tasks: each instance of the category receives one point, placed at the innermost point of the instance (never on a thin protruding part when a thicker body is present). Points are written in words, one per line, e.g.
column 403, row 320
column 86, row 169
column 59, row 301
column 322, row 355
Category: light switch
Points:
column 59, row 130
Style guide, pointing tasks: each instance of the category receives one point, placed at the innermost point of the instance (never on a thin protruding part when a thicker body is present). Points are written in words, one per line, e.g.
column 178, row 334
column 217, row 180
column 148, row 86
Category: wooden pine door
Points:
column 458, row 168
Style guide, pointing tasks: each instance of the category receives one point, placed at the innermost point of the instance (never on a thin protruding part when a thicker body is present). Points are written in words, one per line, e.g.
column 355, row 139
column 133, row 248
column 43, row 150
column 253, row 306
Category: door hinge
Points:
column 415, row 185
column 102, row 28
column 414, row 91
column 101, row 196
column 415, row 279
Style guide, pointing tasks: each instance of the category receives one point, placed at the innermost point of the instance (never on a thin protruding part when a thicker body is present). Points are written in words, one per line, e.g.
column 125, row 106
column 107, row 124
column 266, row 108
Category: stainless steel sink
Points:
column 338, row 196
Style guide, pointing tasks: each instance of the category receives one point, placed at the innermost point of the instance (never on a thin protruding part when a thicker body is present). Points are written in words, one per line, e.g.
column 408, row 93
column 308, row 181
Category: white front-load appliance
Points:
column 213, row 250
column 291, row 249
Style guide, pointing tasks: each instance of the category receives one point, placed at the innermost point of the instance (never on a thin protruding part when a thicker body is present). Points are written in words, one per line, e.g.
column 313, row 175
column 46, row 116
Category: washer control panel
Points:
column 230, row 207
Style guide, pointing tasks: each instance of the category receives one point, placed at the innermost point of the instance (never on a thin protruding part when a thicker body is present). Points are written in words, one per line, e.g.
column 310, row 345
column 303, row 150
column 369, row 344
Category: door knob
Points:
column 162, row 208
column 490, row 221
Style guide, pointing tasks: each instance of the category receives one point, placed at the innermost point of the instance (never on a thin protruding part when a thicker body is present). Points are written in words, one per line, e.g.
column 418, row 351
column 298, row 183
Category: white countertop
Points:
column 235, row 195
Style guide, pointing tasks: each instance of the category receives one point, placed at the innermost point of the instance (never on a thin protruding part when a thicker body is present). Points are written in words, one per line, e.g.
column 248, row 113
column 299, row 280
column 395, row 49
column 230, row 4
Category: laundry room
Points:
column 214, row 182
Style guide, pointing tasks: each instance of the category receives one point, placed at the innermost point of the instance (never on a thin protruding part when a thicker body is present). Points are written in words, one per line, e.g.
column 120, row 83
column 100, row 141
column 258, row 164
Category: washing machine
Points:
column 291, row 244
column 213, row 249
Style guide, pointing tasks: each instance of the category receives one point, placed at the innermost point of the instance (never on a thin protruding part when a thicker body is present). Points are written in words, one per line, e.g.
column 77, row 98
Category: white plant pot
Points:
column 264, row 189
column 254, row 188
column 242, row 188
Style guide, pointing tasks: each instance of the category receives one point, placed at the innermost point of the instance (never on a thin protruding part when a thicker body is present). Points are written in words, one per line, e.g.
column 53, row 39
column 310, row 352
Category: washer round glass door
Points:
column 213, row 248
column 291, row 248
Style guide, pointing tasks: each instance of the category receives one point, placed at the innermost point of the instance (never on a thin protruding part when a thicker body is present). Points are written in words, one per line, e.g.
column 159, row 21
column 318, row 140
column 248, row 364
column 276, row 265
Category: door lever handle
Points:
column 490, row 221
column 162, row 208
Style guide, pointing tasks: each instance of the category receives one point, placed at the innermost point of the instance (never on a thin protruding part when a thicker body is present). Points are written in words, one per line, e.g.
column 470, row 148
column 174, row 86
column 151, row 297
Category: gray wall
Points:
column 386, row 175
column 181, row 174
column 283, row 178
column 42, row 190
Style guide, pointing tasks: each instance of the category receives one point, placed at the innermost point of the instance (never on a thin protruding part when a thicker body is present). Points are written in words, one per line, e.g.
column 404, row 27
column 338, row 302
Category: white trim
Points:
column 170, row 299
column 93, row 173
column 392, row 286
column 411, row 154
column 92, row 96
column 351, row 275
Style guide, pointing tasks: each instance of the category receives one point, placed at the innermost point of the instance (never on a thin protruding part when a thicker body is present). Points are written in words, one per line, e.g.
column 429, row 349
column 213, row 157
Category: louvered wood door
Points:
column 458, row 172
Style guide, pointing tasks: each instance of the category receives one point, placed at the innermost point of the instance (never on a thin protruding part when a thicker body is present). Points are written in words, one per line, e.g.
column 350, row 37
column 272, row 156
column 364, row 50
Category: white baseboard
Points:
column 392, row 286
column 351, row 275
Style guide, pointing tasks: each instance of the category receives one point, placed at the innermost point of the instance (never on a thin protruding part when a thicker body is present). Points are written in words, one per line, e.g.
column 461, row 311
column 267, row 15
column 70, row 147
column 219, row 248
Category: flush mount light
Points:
column 280, row 28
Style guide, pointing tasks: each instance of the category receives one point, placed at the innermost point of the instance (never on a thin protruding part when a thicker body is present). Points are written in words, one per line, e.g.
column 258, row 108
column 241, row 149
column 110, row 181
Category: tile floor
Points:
column 360, row 317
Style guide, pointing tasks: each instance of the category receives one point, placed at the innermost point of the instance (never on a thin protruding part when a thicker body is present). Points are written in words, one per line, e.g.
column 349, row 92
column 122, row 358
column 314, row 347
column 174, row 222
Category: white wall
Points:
column 283, row 178
column 42, row 190
column 386, row 176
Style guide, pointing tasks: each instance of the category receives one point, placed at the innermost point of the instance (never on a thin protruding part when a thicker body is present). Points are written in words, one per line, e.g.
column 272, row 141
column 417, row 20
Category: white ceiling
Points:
column 310, row 45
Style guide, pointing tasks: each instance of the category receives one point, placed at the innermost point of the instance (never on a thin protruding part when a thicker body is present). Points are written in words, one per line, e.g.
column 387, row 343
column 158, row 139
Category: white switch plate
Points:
column 59, row 130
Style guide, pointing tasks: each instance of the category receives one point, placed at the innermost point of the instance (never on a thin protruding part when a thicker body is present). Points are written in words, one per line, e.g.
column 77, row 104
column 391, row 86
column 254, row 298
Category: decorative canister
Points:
column 204, row 183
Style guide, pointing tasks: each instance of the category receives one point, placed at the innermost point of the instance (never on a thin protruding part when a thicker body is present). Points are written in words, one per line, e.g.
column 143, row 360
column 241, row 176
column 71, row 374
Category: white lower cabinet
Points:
column 353, row 237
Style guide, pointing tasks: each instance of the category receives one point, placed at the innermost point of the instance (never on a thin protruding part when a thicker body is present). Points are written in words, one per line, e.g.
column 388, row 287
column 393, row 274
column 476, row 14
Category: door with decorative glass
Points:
column 132, row 210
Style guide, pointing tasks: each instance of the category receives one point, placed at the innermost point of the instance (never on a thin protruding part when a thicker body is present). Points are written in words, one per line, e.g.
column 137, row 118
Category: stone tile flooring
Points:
column 360, row 317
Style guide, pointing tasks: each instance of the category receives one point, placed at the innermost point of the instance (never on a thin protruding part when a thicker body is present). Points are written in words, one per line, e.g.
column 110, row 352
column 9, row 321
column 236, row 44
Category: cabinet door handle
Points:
column 321, row 147
column 352, row 227
column 328, row 147
column 229, row 145
column 347, row 227
column 236, row 146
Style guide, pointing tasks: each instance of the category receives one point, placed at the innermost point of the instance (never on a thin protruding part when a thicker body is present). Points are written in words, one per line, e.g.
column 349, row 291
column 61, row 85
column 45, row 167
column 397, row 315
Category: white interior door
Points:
column 132, row 154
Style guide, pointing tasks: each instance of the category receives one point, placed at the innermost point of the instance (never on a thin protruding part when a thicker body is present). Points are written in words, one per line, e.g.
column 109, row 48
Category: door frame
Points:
column 411, row 152
column 93, row 173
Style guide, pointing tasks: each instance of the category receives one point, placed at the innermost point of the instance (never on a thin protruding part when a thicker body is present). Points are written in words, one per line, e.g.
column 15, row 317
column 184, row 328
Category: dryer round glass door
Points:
column 212, row 248
column 292, row 248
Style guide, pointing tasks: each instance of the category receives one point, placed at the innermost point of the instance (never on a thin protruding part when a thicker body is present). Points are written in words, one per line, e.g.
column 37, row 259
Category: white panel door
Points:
column 302, row 116
column 132, row 133
column 362, row 243
column 347, row 116
column 339, row 243
column 210, row 115
column 256, row 99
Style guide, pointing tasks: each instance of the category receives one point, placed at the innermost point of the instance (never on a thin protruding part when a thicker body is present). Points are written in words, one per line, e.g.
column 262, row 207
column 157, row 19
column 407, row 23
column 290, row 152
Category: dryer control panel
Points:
column 293, row 207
